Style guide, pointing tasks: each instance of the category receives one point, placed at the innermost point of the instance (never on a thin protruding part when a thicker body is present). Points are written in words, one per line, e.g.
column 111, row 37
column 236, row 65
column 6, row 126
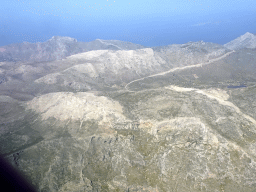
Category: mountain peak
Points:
column 248, row 40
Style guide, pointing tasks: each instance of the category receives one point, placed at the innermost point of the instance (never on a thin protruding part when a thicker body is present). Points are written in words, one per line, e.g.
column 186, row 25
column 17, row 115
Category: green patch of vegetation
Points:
column 23, row 136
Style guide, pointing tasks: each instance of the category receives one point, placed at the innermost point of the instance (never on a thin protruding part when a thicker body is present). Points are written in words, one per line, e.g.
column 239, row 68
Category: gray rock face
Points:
column 153, row 119
column 248, row 40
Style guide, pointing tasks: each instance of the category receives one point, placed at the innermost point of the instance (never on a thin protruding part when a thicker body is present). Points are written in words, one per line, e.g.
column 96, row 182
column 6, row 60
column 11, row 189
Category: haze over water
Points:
column 149, row 23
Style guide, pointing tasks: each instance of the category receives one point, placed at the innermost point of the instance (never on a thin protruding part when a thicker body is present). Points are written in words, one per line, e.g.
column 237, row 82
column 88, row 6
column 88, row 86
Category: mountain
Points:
column 58, row 48
column 248, row 40
column 177, row 118
column 100, row 69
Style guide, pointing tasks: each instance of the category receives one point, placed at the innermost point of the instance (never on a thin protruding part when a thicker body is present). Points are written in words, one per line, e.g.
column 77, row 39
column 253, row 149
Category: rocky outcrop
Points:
column 80, row 106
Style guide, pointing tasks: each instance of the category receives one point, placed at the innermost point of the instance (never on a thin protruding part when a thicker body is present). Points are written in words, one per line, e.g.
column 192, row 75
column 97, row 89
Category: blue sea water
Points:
column 149, row 23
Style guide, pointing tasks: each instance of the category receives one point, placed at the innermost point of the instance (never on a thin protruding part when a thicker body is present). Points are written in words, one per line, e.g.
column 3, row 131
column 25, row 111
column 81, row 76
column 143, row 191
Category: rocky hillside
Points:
column 174, row 118
column 190, row 53
column 101, row 69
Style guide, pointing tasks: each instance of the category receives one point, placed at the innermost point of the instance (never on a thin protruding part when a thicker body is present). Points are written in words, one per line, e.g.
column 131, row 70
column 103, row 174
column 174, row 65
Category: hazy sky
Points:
column 150, row 23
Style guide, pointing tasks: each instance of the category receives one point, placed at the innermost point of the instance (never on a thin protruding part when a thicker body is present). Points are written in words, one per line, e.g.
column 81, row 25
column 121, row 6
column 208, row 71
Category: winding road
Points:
column 179, row 68
column 222, row 101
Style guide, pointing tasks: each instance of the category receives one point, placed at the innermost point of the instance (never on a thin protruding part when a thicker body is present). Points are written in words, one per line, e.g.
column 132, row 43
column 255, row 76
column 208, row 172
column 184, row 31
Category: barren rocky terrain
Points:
column 172, row 118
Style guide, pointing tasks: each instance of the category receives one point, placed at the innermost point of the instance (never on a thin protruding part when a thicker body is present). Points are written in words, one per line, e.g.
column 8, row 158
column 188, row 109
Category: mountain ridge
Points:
column 56, row 48
column 59, row 47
